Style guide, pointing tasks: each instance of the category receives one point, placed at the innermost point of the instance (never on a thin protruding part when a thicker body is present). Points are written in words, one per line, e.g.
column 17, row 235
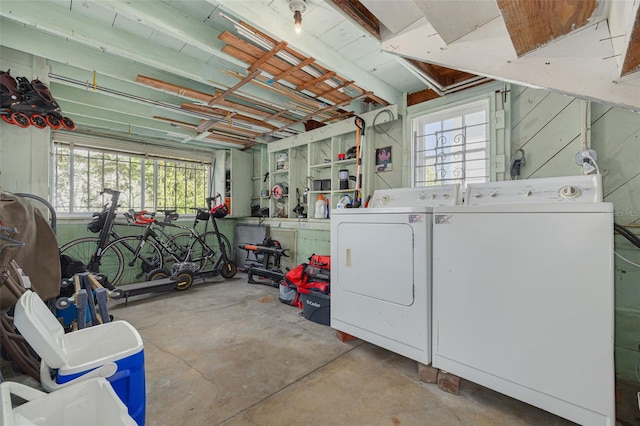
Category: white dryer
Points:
column 381, row 269
column 523, row 294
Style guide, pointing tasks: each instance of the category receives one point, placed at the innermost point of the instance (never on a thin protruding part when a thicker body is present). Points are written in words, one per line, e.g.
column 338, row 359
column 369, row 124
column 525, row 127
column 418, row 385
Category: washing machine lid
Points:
column 564, row 189
column 428, row 196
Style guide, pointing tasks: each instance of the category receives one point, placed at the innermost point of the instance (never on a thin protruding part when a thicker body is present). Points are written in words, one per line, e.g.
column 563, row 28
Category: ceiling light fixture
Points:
column 297, row 7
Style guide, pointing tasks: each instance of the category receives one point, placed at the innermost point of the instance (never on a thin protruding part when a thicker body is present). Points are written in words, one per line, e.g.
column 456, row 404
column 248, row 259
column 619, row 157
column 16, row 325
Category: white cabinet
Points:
column 260, row 180
column 232, row 175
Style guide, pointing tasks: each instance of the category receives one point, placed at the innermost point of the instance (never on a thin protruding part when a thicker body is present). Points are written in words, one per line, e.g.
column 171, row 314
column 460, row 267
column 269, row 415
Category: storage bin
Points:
column 92, row 402
column 316, row 307
column 322, row 185
column 113, row 350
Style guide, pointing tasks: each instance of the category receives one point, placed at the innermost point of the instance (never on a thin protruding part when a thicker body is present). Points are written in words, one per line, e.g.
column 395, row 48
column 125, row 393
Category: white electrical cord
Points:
column 625, row 259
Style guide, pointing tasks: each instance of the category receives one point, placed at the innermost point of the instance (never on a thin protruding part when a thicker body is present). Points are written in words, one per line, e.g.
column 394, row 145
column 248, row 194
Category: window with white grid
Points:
column 452, row 145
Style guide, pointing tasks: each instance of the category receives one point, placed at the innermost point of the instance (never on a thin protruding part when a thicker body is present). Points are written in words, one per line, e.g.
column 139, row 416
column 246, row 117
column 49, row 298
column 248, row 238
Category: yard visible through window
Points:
column 145, row 183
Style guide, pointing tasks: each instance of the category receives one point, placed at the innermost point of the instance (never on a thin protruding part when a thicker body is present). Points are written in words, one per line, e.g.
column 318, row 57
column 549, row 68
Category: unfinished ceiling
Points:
column 234, row 73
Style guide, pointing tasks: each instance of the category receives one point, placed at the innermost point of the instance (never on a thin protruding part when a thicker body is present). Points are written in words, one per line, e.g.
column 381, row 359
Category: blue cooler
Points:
column 113, row 350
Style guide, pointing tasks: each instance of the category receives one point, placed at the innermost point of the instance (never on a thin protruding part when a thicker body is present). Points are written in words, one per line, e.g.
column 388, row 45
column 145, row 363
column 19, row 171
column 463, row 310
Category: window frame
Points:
column 131, row 149
column 498, row 95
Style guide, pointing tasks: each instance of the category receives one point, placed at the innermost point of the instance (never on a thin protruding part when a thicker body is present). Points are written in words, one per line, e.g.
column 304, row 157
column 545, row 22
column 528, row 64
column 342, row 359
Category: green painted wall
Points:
column 548, row 127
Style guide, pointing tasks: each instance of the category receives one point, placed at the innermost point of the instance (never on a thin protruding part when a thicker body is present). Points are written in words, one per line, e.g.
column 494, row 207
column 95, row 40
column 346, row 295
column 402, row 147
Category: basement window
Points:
column 452, row 145
column 145, row 183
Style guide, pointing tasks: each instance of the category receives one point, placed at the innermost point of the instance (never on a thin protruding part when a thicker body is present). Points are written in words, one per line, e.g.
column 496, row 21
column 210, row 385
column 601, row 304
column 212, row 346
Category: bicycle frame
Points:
column 105, row 233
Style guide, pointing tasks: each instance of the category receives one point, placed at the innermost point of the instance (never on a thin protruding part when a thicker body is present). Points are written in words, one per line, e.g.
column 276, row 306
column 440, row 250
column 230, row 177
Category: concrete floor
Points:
column 229, row 353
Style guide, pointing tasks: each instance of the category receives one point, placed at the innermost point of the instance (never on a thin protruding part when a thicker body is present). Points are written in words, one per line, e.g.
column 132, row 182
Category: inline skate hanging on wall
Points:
column 25, row 103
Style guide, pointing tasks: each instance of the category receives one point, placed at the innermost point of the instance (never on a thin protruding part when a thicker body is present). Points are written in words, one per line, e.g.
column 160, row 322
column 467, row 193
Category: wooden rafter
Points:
column 302, row 101
column 342, row 86
column 631, row 61
column 294, row 68
column 238, row 85
column 315, row 81
column 245, row 143
column 361, row 15
column 339, row 116
column 277, row 114
column 278, row 47
column 534, row 23
column 250, row 53
column 205, row 97
column 331, row 107
column 221, row 114
column 208, row 124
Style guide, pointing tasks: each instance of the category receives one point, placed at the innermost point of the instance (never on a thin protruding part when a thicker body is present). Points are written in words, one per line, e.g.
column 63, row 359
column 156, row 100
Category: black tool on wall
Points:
column 517, row 161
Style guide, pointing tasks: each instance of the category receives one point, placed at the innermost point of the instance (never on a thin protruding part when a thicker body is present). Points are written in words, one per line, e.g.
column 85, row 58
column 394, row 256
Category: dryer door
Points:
column 377, row 260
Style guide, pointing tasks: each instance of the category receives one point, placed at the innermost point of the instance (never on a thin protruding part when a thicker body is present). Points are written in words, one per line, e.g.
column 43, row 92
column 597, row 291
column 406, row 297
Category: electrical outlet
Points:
column 586, row 156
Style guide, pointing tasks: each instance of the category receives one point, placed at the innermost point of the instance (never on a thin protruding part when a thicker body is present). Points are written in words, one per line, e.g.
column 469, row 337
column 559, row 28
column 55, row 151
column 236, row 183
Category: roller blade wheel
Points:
column 53, row 122
column 38, row 121
column 184, row 280
column 20, row 119
column 68, row 123
column 7, row 118
column 229, row 270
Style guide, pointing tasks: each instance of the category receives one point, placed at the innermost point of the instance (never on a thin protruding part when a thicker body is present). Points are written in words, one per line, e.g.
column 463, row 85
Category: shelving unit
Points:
column 314, row 163
column 279, row 184
column 325, row 169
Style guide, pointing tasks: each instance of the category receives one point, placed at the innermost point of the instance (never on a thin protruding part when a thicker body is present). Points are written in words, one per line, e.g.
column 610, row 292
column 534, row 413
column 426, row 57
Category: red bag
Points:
column 319, row 268
column 289, row 286
column 299, row 281
column 320, row 261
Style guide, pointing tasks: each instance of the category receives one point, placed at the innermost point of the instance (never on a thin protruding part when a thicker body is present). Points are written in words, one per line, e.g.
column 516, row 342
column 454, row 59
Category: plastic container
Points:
column 115, row 348
column 316, row 307
column 321, row 208
column 92, row 402
column 344, row 201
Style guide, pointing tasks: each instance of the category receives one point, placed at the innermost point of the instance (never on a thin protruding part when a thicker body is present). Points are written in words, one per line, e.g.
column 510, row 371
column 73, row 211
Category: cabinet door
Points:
column 232, row 179
column 241, row 187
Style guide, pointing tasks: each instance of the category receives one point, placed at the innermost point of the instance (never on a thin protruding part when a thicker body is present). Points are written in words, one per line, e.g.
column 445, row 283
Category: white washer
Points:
column 381, row 269
column 523, row 294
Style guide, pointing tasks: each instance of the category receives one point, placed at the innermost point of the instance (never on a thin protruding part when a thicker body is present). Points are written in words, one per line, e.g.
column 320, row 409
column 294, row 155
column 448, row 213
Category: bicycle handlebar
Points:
column 109, row 191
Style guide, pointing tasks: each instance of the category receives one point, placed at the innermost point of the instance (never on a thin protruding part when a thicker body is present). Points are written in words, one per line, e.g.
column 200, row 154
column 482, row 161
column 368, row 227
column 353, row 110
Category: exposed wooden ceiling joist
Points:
column 631, row 62
column 222, row 114
column 360, row 14
column 220, row 97
column 535, row 23
column 243, row 142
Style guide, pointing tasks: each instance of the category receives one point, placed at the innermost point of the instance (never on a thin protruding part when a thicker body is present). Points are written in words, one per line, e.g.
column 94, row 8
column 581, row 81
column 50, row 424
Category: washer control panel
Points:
column 437, row 195
column 565, row 189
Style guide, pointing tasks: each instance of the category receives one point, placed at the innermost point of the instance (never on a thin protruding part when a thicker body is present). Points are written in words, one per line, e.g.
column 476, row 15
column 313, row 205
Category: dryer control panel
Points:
column 429, row 196
column 565, row 189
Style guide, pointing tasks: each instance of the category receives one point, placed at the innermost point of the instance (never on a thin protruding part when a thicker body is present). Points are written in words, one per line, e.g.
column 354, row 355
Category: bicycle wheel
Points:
column 111, row 262
column 205, row 254
column 137, row 267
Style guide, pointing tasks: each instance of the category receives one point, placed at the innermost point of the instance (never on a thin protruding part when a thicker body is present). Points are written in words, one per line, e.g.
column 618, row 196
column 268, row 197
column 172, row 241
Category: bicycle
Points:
column 125, row 259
